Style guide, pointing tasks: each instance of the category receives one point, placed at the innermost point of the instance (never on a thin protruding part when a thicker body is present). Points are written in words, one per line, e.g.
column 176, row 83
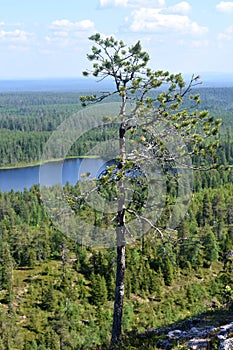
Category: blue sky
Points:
column 49, row 38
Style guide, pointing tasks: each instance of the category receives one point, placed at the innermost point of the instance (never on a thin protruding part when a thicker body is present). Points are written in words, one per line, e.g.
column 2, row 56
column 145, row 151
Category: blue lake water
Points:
column 49, row 174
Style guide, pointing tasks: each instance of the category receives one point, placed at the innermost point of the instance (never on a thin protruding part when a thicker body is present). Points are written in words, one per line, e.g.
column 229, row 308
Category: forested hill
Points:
column 27, row 120
column 57, row 294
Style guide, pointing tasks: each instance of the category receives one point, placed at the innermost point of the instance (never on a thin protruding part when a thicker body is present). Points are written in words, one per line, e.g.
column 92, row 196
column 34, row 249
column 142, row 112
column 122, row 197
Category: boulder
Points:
column 226, row 344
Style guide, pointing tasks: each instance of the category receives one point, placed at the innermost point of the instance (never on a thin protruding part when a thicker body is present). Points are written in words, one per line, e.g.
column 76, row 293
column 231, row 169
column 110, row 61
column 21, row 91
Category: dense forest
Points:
column 56, row 293
column 27, row 120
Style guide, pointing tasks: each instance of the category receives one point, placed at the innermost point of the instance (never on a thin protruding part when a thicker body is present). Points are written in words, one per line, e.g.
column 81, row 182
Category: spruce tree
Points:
column 6, row 270
column 99, row 292
column 211, row 248
column 207, row 209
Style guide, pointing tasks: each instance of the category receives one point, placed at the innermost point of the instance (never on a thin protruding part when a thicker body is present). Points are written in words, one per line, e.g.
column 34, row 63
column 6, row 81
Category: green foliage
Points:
column 27, row 120
column 56, row 294
column 210, row 247
column 161, row 286
column 125, row 60
column 99, row 293
column 6, row 267
column 174, row 111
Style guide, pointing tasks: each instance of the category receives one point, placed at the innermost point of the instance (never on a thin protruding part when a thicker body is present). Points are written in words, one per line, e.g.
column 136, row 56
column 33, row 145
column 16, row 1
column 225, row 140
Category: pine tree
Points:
column 134, row 81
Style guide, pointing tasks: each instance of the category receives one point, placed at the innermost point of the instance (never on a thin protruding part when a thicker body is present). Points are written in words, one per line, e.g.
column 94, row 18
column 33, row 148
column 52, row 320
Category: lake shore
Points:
column 37, row 163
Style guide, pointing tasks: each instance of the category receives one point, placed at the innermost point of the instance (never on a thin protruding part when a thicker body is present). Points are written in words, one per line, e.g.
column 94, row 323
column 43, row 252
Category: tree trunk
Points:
column 120, row 271
column 119, row 295
column 120, row 236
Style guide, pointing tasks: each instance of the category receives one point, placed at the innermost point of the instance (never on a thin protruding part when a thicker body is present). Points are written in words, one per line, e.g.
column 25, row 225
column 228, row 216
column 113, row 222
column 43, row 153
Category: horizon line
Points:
column 91, row 77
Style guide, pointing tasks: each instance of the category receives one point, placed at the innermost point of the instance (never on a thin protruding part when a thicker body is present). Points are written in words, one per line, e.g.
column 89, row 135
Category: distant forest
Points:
column 57, row 294
column 27, row 120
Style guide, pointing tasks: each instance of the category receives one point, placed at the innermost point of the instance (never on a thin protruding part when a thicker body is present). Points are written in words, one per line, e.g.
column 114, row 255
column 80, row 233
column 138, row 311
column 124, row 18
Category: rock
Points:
column 199, row 344
column 227, row 326
column 176, row 334
column 195, row 338
column 222, row 335
column 226, row 344
column 194, row 330
column 225, row 331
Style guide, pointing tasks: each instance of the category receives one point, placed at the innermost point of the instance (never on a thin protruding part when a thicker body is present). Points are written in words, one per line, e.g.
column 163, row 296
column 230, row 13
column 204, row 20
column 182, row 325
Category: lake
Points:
column 49, row 174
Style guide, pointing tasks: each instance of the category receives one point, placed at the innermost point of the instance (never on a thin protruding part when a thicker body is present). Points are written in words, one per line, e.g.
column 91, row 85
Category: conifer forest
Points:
column 57, row 293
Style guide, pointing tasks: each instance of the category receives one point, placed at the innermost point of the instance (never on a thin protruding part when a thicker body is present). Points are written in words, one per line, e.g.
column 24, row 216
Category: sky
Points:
column 49, row 38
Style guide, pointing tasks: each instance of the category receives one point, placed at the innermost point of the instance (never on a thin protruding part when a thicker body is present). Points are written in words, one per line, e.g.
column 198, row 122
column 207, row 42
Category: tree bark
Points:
column 119, row 295
column 120, row 237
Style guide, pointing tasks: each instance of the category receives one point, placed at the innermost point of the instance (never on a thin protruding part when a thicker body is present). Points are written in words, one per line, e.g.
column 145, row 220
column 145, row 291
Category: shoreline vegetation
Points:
column 38, row 163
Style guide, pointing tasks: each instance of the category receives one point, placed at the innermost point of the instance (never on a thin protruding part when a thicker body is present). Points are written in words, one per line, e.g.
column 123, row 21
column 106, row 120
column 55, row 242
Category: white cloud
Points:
column 180, row 8
column 130, row 3
column 112, row 3
column 225, row 6
column 65, row 24
column 66, row 33
column 17, row 36
column 227, row 35
column 146, row 3
column 155, row 20
column 223, row 36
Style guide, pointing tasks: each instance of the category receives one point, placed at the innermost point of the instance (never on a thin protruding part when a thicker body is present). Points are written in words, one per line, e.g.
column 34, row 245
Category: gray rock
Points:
column 176, row 334
column 196, row 338
column 225, row 331
column 226, row 344
column 198, row 344
column 222, row 335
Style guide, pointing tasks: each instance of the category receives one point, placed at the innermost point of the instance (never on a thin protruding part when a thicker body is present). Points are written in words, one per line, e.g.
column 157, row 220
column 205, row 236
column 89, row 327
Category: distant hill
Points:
column 217, row 79
column 54, row 84
column 90, row 84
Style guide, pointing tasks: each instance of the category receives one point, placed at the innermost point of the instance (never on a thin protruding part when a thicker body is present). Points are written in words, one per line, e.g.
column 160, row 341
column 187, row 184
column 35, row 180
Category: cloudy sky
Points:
column 49, row 38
